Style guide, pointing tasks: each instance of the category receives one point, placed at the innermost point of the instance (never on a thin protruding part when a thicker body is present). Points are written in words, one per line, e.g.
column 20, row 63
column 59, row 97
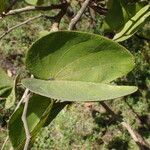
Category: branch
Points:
column 132, row 133
column 78, row 15
column 18, row 25
column 136, row 137
column 24, row 119
column 33, row 8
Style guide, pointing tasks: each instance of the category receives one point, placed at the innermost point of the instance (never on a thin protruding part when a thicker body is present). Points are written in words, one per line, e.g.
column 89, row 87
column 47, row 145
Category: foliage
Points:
column 126, row 11
column 133, row 24
column 70, row 74
column 38, row 111
column 66, row 54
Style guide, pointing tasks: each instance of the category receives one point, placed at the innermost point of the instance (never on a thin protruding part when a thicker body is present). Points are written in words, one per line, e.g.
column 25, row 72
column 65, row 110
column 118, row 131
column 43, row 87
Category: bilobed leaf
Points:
column 133, row 24
column 38, row 111
column 10, row 100
column 80, row 64
column 77, row 90
column 70, row 66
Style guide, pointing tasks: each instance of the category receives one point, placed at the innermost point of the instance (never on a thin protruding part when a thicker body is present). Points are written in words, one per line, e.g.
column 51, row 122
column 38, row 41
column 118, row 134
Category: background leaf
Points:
column 6, row 83
column 119, row 12
column 133, row 24
column 38, row 111
column 10, row 100
column 114, row 18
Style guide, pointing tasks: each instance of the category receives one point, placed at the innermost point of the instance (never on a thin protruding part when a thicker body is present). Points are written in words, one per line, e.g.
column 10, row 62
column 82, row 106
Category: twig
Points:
column 132, row 133
column 18, row 25
column 25, row 124
column 33, row 8
column 136, row 137
column 26, row 92
column 78, row 15
column 25, row 98
column 137, row 117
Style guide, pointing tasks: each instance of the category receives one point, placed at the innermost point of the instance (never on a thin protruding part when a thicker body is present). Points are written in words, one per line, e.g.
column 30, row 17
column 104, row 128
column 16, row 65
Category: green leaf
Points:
column 80, row 64
column 10, row 100
column 78, row 56
column 114, row 18
column 130, row 9
column 35, row 2
column 6, row 83
column 133, row 24
column 77, row 90
column 119, row 12
column 38, row 111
